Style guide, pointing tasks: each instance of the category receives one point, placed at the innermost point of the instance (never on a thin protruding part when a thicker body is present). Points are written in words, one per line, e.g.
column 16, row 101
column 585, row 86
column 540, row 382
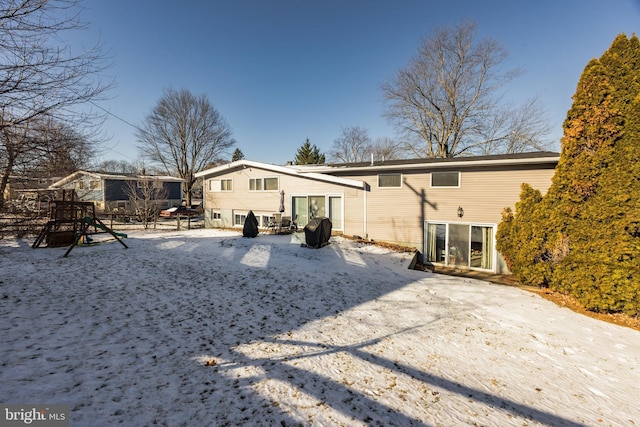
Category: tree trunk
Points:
column 5, row 178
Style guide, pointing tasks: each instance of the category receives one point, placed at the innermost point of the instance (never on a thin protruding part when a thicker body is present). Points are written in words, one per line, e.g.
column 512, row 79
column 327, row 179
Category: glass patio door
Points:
column 300, row 210
column 459, row 245
column 317, row 208
column 335, row 212
column 436, row 243
column 481, row 247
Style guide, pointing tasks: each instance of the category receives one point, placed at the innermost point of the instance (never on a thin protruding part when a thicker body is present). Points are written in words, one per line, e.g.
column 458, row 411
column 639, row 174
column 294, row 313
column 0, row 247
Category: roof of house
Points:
column 324, row 172
column 286, row 170
column 532, row 158
column 120, row 177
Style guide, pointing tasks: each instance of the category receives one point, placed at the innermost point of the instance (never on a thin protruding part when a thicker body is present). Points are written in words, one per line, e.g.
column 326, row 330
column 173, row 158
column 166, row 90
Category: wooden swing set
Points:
column 70, row 222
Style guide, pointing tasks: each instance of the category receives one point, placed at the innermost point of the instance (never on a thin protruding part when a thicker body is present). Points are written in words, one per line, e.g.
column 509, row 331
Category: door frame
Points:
column 494, row 252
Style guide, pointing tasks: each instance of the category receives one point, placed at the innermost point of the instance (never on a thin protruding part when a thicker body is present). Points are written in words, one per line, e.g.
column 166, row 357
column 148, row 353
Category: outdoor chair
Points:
column 282, row 224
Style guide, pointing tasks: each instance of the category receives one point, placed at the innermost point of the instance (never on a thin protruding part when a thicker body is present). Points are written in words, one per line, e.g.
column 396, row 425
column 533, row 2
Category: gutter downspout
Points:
column 104, row 195
column 364, row 221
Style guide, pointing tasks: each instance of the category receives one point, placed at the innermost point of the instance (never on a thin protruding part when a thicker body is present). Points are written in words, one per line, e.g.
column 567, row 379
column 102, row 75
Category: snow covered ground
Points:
column 206, row 327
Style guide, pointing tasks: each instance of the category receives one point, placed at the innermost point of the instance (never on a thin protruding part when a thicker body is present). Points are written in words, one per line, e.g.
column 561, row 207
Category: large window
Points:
column 263, row 184
column 460, row 245
column 216, row 185
column 445, row 179
column 390, row 180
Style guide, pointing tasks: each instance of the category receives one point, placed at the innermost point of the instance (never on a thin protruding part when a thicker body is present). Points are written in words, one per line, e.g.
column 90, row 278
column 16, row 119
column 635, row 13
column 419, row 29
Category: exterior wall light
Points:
column 460, row 212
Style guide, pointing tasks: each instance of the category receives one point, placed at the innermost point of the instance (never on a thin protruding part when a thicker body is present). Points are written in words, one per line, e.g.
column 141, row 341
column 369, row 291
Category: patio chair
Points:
column 274, row 224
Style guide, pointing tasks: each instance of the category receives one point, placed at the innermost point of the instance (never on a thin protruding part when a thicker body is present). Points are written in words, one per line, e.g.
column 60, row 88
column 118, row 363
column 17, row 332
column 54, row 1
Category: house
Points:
column 18, row 185
column 448, row 209
column 112, row 192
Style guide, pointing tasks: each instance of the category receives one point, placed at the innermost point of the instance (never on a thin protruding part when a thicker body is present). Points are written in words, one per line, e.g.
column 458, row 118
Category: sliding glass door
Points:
column 436, row 243
column 481, row 247
column 304, row 208
column 335, row 212
column 300, row 208
column 460, row 245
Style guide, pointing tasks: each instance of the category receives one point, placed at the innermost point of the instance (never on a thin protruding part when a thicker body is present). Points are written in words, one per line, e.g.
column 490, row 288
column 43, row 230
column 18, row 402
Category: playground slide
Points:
column 103, row 227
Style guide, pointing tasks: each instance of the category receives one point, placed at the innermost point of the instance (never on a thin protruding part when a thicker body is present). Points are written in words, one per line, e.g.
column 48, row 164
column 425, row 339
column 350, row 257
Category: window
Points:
column 217, row 185
column 255, row 184
column 263, row 184
column 445, row 179
column 216, row 215
column 80, row 185
column 266, row 220
column 271, row 184
column 390, row 180
column 239, row 219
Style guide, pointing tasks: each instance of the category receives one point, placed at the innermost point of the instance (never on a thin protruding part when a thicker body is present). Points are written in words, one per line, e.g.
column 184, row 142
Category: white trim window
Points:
column 219, row 185
column 263, row 184
column 390, row 180
column 445, row 179
column 239, row 219
column 266, row 220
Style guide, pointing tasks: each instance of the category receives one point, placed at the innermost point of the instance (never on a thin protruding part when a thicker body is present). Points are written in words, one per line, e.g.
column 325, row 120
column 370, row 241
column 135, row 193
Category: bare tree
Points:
column 352, row 146
column 145, row 195
column 183, row 134
column 446, row 101
column 117, row 166
column 59, row 150
column 385, row 148
column 40, row 77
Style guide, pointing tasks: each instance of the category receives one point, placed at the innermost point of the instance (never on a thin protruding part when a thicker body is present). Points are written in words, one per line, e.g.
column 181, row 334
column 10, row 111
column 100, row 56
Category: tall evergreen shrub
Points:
column 586, row 229
column 521, row 241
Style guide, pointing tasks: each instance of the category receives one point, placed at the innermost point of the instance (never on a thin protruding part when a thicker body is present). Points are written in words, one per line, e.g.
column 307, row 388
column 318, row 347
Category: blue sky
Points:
column 283, row 71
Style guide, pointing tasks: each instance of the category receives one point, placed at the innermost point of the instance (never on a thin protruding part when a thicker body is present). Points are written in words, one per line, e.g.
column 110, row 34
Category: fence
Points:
column 21, row 226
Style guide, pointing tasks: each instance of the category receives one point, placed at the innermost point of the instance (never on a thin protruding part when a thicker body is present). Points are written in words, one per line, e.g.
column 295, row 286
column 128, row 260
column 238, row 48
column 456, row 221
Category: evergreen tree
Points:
column 309, row 154
column 521, row 241
column 237, row 155
column 608, row 257
column 591, row 130
column 588, row 222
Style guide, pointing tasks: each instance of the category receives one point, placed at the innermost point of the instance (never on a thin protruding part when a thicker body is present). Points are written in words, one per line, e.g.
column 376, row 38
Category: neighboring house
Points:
column 18, row 186
column 28, row 194
column 446, row 208
column 112, row 192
